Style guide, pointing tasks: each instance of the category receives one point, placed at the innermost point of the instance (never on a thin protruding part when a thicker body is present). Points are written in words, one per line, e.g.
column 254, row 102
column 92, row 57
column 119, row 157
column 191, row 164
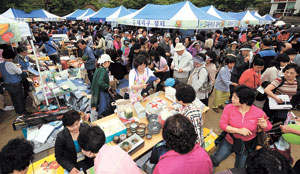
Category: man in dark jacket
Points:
column 266, row 53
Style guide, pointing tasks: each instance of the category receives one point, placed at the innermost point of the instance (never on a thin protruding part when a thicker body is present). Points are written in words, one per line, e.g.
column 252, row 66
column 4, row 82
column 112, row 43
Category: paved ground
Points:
column 211, row 121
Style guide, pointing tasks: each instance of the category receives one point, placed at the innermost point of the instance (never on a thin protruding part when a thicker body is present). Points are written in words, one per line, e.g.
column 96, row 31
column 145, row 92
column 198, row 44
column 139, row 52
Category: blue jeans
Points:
column 104, row 102
column 223, row 151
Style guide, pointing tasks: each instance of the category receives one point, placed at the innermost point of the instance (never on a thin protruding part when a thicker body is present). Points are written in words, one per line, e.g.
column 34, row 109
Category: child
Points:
column 222, row 83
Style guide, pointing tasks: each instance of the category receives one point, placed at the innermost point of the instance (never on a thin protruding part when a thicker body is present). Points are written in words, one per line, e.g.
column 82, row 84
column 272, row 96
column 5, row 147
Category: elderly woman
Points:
column 138, row 77
column 100, row 86
column 185, row 156
column 199, row 78
column 286, row 85
column 195, row 48
column 233, row 50
column 241, row 120
column 67, row 150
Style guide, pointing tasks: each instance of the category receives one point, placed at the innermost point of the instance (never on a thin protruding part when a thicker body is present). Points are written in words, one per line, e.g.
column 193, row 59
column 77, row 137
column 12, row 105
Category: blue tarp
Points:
column 217, row 13
column 167, row 12
column 122, row 11
column 79, row 14
column 132, row 10
column 102, row 14
column 15, row 13
column 268, row 17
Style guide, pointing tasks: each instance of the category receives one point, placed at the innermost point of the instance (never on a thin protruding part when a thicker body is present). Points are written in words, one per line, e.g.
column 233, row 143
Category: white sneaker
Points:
column 8, row 108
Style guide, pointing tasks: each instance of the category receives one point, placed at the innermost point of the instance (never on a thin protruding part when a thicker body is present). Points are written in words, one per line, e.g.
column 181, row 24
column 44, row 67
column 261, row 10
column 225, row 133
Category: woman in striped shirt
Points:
column 289, row 87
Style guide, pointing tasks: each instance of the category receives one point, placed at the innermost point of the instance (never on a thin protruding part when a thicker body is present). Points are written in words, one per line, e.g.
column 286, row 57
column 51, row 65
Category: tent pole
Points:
column 39, row 70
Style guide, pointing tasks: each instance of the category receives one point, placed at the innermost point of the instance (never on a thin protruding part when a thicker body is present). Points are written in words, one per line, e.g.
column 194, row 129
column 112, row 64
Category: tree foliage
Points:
column 64, row 7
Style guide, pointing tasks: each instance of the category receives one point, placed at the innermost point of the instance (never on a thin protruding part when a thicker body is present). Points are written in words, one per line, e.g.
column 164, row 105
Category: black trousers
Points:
column 25, row 84
column 16, row 94
column 90, row 75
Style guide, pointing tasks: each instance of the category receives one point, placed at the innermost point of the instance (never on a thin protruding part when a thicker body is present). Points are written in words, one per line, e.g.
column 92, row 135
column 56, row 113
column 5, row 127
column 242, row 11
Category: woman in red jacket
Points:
column 241, row 120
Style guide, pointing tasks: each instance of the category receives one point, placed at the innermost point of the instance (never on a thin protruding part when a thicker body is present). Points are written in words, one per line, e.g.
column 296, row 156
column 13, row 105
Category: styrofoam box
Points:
column 112, row 128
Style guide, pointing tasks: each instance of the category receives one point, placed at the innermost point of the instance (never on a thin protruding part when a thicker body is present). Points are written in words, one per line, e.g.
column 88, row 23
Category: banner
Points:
column 9, row 33
column 178, row 24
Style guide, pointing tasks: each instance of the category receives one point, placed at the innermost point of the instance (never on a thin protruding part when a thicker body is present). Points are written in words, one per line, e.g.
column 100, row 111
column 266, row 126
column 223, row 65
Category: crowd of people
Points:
column 225, row 66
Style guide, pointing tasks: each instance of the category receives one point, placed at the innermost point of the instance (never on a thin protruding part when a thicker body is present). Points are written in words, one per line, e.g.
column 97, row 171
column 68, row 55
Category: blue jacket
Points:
column 9, row 78
column 23, row 62
column 90, row 63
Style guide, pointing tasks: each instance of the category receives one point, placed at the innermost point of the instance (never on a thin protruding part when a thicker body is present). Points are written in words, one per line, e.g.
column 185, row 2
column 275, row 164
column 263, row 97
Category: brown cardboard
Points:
column 1, row 102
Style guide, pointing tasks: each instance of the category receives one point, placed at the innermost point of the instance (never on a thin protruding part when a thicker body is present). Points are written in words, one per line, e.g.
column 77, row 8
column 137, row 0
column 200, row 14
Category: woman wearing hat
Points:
column 182, row 63
column 100, row 85
column 195, row 48
column 199, row 78
column 233, row 49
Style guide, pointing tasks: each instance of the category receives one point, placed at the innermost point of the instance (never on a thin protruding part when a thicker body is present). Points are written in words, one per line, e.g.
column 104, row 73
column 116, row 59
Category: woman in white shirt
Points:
column 138, row 77
column 276, row 68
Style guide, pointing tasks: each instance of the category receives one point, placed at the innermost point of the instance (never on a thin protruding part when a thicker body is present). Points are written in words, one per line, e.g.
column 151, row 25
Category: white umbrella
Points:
column 279, row 23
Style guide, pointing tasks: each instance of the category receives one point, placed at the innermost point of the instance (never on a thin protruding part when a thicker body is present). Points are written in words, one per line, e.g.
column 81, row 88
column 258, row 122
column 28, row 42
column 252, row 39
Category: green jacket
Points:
column 100, row 82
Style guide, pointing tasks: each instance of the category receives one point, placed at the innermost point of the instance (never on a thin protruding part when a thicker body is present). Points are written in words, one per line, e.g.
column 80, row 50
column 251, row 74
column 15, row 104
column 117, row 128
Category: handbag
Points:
column 238, row 145
column 260, row 96
column 220, row 138
column 206, row 87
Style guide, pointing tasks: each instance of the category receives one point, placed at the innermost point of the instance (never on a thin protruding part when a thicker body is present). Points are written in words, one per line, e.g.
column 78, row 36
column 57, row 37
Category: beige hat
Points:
column 179, row 47
column 104, row 58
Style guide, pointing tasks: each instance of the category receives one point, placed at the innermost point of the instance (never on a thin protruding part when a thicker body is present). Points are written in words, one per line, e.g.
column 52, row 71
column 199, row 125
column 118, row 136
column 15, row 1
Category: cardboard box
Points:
column 1, row 102
column 113, row 82
column 123, row 91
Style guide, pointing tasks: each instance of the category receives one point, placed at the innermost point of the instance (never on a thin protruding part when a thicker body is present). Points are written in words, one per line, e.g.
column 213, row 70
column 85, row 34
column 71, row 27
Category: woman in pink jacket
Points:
column 242, row 120
column 185, row 155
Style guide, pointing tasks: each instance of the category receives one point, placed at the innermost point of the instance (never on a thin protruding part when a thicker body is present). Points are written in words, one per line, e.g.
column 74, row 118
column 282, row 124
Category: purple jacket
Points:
column 195, row 162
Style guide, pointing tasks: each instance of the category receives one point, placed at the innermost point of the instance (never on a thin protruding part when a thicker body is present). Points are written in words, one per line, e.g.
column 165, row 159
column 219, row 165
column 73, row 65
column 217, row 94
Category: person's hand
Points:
column 244, row 132
column 234, row 84
column 157, row 81
column 172, row 67
column 25, row 70
column 170, row 107
column 180, row 70
column 93, row 108
column 297, row 119
column 168, row 54
column 144, row 86
column 285, row 129
column 74, row 171
column 246, row 59
column 278, row 100
column 262, row 123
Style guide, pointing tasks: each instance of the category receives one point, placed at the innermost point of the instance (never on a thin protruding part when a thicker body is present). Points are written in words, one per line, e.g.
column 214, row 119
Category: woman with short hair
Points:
column 241, row 120
column 138, row 77
column 107, row 159
column 67, row 150
column 185, row 156
column 286, row 85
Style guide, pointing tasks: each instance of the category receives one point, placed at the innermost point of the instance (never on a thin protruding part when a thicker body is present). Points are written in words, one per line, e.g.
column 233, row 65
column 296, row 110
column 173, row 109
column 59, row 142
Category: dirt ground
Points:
column 211, row 121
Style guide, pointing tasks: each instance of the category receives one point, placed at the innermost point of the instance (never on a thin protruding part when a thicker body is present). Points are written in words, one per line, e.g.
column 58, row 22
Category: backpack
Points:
column 296, row 98
column 206, row 87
